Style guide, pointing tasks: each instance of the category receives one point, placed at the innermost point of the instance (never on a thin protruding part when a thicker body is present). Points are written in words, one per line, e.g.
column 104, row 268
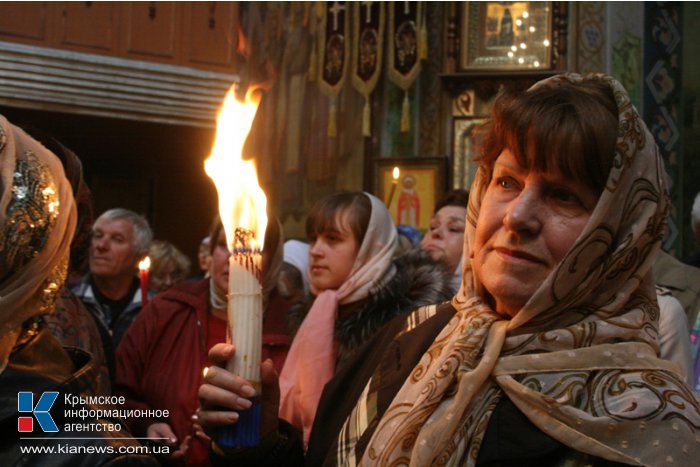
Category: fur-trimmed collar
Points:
column 418, row 281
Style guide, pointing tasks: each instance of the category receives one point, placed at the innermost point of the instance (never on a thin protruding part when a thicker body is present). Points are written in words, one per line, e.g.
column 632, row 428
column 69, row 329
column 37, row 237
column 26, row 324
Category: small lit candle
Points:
column 144, row 266
column 394, row 182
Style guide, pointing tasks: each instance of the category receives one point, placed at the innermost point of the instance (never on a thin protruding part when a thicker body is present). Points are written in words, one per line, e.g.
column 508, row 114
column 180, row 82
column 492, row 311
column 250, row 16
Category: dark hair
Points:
column 577, row 121
column 453, row 198
column 326, row 214
column 214, row 230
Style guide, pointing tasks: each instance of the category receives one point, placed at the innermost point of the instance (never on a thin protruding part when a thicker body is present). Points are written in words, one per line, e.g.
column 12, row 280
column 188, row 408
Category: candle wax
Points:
column 245, row 315
column 143, row 276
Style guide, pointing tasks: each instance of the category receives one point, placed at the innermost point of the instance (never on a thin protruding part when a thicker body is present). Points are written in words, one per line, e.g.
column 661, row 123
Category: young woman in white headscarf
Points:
column 357, row 285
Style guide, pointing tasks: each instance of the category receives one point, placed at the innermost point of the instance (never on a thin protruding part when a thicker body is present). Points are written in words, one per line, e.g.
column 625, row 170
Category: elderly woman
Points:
column 549, row 352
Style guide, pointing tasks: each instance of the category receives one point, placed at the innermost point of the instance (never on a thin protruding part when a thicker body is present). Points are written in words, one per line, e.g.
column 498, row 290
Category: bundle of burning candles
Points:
column 243, row 212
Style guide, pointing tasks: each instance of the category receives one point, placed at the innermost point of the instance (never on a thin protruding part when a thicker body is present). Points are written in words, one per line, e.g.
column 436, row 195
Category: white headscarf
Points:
column 296, row 253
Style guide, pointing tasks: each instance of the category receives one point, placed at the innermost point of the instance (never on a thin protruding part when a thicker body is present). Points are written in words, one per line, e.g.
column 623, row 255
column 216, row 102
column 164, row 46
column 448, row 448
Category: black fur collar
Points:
column 418, row 281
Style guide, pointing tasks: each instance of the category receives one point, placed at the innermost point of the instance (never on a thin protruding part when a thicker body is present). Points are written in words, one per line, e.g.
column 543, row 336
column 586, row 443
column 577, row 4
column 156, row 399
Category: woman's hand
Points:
column 199, row 431
column 223, row 390
column 163, row 433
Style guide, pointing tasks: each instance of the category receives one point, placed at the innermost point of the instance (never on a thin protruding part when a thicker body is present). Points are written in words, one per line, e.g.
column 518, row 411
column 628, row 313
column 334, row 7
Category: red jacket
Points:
column 160, row 361
column 162, row 355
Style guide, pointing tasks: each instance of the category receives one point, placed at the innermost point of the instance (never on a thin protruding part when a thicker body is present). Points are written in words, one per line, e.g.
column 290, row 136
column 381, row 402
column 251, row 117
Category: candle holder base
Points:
column 246, row 432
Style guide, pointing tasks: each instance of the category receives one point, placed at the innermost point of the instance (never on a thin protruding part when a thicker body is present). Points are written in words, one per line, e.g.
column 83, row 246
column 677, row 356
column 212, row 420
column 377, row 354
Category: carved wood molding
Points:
column 74, row 82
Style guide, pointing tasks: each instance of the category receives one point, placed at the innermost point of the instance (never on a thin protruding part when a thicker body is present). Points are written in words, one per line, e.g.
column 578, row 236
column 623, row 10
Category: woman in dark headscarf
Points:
column 37, row 216
column 37, row 222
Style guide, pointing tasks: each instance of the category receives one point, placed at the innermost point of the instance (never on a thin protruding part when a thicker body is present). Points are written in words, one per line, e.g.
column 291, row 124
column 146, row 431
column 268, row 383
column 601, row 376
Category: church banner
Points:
column 405, row 44
column 368, row 44
column 335, row 50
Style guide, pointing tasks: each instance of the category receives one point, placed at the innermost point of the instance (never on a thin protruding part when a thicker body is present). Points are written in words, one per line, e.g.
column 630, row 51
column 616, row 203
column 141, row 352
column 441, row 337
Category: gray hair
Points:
column 143, row 235
column 695, row 216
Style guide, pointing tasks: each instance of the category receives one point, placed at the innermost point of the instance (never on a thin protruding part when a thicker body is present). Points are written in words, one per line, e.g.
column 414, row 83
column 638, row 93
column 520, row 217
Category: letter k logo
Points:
column 25, row 403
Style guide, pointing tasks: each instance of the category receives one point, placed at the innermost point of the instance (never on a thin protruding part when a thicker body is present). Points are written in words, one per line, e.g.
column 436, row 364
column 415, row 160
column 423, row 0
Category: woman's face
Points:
column 164, row 276
column 331, row 257
column 528, row 222
column 218, row 266
column 445, row 238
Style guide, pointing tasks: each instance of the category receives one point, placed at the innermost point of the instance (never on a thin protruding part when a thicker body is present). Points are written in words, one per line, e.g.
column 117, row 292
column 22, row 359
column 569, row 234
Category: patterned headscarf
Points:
column 580, row 358
column 37, row 221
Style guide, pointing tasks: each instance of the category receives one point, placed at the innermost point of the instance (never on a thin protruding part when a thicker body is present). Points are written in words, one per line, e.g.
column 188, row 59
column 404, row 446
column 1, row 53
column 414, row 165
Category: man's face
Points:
column 112, row 253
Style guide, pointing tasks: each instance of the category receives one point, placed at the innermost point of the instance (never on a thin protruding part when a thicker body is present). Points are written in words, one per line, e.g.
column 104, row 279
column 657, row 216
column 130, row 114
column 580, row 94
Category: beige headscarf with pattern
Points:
column 37, row 221
column 579, row 360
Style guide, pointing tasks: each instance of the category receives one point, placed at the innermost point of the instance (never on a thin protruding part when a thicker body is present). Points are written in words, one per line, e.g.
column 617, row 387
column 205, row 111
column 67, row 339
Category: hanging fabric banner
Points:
column 316, row 11
column 405, row 45
column 367, row 47
column 335, row 50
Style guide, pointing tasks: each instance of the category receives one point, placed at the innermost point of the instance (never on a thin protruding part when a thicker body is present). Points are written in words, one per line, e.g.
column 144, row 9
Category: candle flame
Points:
column 396, row 173
column 145, row 264
column 242, row 203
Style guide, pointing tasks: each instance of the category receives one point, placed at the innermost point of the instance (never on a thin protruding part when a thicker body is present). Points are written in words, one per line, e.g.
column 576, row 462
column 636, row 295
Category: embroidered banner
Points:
column 406, row 42
column 368, row 44
column 335, row 48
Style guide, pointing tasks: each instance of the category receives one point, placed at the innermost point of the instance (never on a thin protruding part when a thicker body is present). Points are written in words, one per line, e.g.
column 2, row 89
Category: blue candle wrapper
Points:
column 245, row 433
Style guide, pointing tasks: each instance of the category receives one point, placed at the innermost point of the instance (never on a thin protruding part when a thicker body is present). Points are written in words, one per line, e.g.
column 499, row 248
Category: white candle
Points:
column 245, row 311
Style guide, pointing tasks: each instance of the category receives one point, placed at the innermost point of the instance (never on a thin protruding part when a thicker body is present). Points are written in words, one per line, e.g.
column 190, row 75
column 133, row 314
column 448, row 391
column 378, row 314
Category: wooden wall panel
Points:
column 201, row 35
column 152, row 30
column 209, row 32
column 87, row 26
column 23, row 21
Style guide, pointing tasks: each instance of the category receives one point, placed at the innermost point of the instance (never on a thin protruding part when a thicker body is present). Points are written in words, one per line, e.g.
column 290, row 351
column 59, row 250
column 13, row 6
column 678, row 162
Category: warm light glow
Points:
column 510, row 54
column 514, row 48
column 526, row 14
column 396, row 173
column 521, row 60
column 144, row 264
column 242, row 203
column 532, row 29
column 523, row 45
column 518, row 22
column 536, row 64
column 48, row 192
column 546, row 42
